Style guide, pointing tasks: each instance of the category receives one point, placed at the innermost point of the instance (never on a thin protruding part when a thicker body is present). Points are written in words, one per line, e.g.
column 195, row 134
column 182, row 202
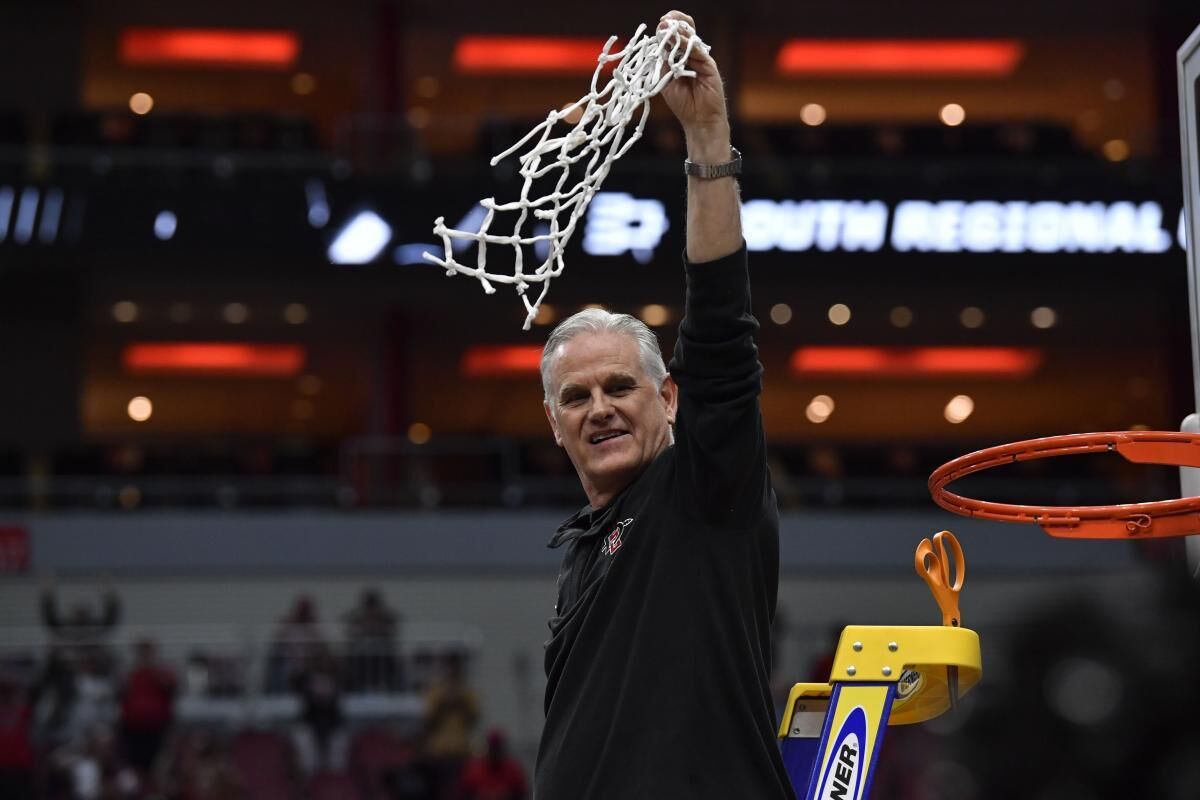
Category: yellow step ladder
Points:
column 830, row 733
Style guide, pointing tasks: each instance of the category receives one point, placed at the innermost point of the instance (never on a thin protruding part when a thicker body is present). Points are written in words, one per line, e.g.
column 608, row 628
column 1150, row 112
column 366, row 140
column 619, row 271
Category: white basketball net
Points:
column 598, row 139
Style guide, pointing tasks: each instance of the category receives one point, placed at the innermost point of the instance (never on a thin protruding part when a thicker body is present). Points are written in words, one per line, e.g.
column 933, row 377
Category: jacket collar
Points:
column 585, row 520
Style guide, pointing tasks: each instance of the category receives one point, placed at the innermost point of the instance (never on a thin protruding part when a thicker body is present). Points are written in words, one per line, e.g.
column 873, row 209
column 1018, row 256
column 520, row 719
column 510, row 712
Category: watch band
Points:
column 731, row 167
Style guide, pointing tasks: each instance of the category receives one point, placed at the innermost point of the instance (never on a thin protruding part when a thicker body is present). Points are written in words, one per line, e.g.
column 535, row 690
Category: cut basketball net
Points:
column 598, row 139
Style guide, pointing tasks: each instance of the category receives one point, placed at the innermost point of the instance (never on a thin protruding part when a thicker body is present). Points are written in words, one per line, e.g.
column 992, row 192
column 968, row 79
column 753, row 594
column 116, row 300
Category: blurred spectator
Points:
column 16, row 744
column 197, row 674
column 207, row 675
column 199, row 768
column 82, row 629
column 93, row 771
column 371, row 645
column 53, row 700
column 95, row 697
column 297, row 639
column 147, row 707
column 495, row 775
column 71, row 697
column 321, row 738
column 451, row 712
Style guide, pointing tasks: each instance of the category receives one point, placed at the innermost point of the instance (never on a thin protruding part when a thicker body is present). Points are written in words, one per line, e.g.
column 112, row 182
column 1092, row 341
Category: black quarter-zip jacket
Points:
column 657, row 664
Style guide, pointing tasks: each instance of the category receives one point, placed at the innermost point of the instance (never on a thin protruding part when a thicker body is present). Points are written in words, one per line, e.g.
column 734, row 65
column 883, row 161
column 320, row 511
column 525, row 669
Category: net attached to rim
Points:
column 602, row 134
column 1162, row 519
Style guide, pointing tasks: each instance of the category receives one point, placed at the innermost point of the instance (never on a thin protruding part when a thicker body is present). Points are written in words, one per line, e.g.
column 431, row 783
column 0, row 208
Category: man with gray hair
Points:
column 657, row 665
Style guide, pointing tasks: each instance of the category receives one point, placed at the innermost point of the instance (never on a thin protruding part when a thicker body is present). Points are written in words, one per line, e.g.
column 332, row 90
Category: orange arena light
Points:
column 209, row 47
column 916, row 362
column 985, row 58
column 505, row 55
column 498, row 361
column 214, row 358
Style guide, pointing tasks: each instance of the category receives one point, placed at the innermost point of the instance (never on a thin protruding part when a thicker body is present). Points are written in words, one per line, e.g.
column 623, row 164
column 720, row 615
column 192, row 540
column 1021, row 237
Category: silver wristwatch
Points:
column 731, row 167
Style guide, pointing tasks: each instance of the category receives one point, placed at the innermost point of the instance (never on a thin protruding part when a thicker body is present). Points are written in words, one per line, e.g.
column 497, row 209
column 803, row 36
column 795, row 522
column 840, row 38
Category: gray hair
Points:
column 598, row 320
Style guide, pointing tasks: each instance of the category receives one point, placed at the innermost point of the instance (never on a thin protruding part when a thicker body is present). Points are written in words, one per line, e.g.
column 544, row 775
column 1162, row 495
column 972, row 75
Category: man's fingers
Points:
column 676, row 15
column 679, row 15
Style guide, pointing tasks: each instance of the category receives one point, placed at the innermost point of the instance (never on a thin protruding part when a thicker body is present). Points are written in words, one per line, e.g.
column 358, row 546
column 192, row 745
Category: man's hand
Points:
column 699, row 103
column 714, row 225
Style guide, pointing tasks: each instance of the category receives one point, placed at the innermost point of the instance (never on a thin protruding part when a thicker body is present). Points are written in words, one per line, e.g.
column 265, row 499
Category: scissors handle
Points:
column 933, row 565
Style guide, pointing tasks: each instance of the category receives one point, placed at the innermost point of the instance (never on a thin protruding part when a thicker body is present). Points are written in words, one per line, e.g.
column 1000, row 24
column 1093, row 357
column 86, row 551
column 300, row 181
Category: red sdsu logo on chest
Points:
column 612, row 542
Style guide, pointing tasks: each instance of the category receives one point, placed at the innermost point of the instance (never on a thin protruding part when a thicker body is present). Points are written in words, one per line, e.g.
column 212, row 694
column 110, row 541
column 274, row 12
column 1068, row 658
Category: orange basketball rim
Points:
column 1163, row 519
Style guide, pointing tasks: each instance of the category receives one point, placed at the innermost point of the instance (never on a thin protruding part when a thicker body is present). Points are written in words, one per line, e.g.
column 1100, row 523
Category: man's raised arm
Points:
column 722, row 464
column 714, row 227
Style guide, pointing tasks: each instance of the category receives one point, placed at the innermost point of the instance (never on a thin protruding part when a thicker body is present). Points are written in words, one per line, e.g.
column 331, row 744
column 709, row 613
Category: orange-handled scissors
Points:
column 935, row 568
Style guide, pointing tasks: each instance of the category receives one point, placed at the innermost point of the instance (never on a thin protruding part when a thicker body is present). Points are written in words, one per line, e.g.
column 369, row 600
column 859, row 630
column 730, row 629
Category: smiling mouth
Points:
column 607, row 437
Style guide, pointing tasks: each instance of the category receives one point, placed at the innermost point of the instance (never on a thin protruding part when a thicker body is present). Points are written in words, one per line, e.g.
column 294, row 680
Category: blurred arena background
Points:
column 275, row 495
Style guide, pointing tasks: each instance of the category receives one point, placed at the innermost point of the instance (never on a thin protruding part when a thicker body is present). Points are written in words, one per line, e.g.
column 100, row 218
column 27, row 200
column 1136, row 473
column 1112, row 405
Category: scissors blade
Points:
column 952, row 685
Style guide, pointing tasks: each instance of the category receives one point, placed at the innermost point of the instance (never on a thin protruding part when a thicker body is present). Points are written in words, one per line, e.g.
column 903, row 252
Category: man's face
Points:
column 606, row 412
